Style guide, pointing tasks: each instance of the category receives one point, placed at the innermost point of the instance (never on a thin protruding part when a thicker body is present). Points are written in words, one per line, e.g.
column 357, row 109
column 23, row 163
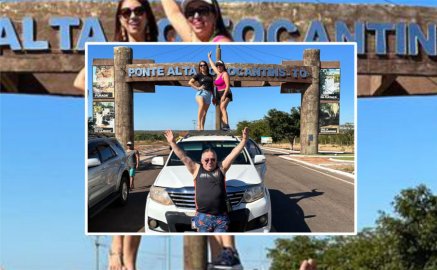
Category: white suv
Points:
column 170, row 203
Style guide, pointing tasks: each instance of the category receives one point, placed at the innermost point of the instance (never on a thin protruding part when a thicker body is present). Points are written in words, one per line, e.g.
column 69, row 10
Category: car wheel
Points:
column 123, row 190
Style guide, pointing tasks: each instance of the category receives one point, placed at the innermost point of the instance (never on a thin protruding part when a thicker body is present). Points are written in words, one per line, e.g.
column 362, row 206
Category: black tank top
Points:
column 210, row 192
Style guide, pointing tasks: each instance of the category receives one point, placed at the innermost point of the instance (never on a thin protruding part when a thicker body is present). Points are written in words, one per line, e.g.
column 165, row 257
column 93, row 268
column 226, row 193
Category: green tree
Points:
column 257, row 129
column 405, row 240
column 91, row 124
column 414, row 229
column 284, row 125
column 289, row 253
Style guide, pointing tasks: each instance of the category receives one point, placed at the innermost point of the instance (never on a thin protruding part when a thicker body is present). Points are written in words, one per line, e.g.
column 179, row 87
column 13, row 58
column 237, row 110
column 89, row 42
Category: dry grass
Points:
column 322, row 147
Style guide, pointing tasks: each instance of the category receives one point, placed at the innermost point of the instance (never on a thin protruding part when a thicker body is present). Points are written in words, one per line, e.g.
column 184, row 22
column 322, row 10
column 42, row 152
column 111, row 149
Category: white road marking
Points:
column 309, row 168
column 339, row 179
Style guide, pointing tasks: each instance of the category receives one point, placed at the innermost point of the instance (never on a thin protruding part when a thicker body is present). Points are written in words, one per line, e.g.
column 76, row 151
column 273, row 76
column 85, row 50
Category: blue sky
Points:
column 179, row 104
column 42, row 172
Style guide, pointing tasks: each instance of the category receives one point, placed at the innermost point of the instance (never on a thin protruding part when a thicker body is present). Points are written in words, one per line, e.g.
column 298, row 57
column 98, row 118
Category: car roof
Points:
column 94, row 138
column 209, row 138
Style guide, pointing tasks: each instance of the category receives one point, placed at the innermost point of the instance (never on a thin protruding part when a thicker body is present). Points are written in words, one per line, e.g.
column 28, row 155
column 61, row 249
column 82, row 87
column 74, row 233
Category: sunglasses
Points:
column 207, row 160
column 201, row 11
column 127, row 12
column 203, row 65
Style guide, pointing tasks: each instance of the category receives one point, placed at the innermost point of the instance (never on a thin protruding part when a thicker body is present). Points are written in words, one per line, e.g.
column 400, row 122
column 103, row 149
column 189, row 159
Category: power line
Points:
column 238, row 53
column 193, row 52
column 172, row 51
column 266, row 53
column 254, row 56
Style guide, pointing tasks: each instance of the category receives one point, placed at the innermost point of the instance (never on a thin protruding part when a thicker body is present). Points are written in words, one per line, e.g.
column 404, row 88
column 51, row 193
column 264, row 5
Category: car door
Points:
column 110, row 165
column 95, row 176
column 254, row 150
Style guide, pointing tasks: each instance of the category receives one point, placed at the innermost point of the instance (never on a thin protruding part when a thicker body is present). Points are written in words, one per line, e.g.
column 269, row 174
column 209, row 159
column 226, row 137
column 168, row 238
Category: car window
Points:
column 106, row 152
column 93, row 152
column 222, row 148
column 253, row 149
column 118, row 145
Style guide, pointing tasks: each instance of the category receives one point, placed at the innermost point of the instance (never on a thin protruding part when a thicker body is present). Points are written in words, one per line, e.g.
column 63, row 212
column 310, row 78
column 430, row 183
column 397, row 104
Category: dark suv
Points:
column 108, row 173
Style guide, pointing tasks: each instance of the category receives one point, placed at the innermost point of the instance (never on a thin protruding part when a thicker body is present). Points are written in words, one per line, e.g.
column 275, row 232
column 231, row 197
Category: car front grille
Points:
column 184, row 197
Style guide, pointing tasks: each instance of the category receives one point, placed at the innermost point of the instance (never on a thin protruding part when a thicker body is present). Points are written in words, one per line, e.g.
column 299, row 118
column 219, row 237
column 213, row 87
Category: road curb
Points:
column 320, row 167
column 309, row 164
column 341, row 161
column 146, row 154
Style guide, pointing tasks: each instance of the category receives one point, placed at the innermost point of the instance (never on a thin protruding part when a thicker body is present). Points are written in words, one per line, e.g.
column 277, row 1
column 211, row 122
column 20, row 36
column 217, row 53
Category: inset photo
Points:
column 223, row 138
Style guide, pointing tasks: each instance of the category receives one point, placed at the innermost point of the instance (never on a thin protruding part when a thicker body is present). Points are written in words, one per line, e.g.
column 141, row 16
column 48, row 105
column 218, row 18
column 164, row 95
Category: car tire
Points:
column 123, row 190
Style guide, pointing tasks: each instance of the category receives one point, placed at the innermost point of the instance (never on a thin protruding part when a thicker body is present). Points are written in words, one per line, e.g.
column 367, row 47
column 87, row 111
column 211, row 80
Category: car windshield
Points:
column 222, row 148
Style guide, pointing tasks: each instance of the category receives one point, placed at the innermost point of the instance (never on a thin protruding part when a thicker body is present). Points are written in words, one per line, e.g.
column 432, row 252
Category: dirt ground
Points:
column 328, row 163
column 322, row 147
column 324, row 161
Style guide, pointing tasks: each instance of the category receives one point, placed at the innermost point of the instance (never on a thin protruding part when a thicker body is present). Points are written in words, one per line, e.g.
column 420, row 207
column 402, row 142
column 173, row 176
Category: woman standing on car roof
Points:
column 197, row 20
column 224, row 94
column 134, row 22
column 204, row 92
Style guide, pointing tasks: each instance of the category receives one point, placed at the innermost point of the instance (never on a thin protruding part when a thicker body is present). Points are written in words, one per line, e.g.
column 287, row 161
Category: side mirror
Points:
column 259, row 159
column 158, row 161
column 93, row 162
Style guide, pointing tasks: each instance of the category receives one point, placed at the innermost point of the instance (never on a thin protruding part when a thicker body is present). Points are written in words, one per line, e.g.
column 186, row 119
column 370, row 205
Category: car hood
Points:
column 179, row 176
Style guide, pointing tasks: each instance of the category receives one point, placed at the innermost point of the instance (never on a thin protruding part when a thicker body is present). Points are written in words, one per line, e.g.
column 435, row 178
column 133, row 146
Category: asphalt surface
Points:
column 304, row 200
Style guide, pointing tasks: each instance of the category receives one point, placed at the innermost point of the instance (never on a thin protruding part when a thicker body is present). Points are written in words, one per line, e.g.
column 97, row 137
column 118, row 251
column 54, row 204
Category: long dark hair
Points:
column 151, row 31
column 200, row 70
column 220, row 28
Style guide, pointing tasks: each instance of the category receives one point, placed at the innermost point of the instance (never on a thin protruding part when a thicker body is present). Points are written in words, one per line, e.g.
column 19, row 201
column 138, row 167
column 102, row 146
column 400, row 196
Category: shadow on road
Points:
column 119, row 219
column 275, row 154
column 287, row 215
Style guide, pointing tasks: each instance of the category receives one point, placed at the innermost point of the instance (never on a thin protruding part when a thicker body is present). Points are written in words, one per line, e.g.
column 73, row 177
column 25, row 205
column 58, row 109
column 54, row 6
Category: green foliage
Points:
column 142, row 136
column 283, row 125
column 406, row 240
column 414, row 229
column 257, row 129
column 289, row 253
column 91, row 124
column 276, row 124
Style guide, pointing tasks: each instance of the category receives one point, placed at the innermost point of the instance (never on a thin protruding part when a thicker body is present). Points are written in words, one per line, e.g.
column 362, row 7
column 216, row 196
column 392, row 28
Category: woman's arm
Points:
column 192, row 84
column 228, row 84
column 214, row 67
column 79, row 82
column 178, row 21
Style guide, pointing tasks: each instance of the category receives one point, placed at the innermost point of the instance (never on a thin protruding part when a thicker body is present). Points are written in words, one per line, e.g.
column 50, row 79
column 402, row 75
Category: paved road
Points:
column 304, row 199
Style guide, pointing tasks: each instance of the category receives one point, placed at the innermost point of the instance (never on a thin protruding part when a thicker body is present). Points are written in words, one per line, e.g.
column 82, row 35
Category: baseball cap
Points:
column 186, row 2
column 129, row 143
column 219, row 62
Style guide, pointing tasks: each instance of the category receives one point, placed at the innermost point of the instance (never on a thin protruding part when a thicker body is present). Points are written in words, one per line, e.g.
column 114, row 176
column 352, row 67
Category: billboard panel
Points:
column 329, row 84
column 103, row 81
column 104, row 115
column 329, row 118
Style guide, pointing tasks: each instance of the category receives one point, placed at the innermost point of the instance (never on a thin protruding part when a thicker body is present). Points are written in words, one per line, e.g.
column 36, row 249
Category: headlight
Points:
column 253, row 193
column 158, row 194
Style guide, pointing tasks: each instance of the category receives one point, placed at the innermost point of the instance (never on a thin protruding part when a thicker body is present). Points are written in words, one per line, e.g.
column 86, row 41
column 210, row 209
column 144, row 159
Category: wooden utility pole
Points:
column 218, row 113
column 124, row 97
column 195, row 253
column 309, row 112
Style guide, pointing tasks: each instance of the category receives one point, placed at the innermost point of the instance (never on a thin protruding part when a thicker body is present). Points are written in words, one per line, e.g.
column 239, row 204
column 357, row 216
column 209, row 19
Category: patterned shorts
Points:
column 211, row 223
